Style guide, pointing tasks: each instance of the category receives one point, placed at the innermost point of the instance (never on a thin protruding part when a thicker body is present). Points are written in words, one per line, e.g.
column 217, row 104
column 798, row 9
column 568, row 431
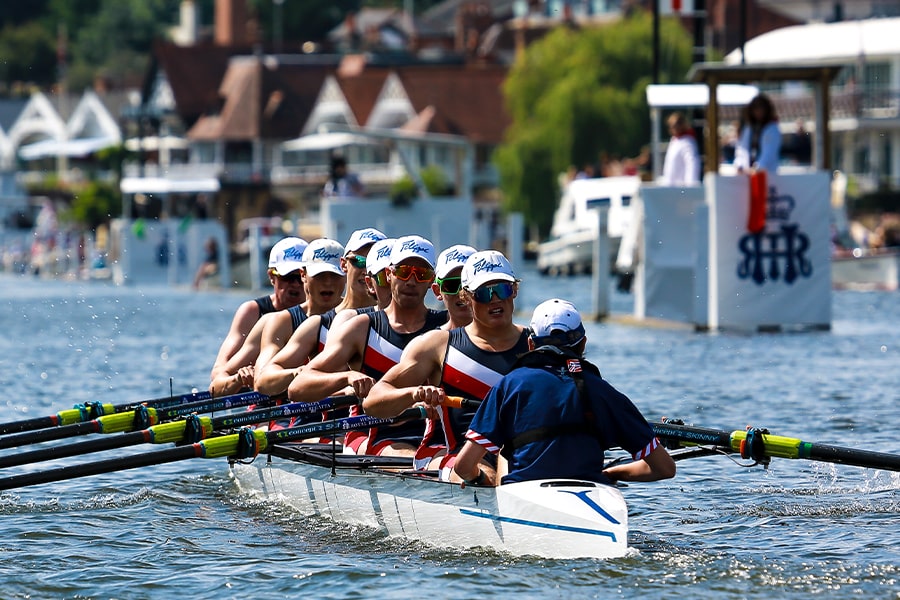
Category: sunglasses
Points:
column 484, row 294
column 291, row 278
column 423, row 274
column 357, row 261
column 380, row 278
column 449, row 285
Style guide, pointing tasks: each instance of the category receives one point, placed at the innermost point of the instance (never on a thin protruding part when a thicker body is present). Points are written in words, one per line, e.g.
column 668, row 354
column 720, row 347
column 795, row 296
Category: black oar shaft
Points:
column 227, row 445
column 124, row 421
column 29, row 425
column 107, row 466
column 46, row 435
column 173, row 431
column 857, row 458
column 107, row 442
column 777, row 446
column 80, row 413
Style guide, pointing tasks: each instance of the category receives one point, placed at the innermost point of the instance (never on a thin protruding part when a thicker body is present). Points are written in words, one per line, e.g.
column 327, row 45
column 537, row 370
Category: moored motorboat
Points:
column 548, row 518
column 861, row 269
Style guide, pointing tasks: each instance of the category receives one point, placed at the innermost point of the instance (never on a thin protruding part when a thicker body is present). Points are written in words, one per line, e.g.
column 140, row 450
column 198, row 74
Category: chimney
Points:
column 185, row 34
column 231, row 23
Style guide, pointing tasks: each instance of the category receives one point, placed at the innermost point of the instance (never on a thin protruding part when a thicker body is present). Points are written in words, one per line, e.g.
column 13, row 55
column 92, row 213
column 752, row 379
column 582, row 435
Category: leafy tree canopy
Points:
column 577, row 94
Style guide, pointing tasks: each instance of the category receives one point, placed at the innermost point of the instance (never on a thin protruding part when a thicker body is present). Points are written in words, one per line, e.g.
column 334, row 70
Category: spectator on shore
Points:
column 341, row 182
column 210, row 264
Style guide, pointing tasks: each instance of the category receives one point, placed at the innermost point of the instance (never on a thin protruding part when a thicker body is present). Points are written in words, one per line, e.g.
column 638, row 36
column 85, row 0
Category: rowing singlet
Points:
column 328, row 318
column 298, row 315
column 383, row 349
column 265, row 305
column 469, row 372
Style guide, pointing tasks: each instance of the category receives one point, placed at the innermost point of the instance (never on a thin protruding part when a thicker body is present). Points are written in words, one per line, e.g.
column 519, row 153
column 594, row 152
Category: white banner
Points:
column 780, row 277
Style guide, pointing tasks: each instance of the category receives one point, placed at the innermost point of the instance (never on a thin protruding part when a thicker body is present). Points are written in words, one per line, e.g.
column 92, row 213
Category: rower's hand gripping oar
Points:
column 91, row 410
column 138, row 418
column 193, row 429
column 245, row 444
column 759, row 445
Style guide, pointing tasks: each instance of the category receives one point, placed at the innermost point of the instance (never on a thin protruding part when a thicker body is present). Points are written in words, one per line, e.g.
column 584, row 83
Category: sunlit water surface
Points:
column 718, row 530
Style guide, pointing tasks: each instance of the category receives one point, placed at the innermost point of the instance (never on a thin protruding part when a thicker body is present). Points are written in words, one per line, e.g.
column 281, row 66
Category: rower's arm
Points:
column 275, row 377
column 405, row 383
column 329, row 372
column 244, row 318
column 275, row 334
column 657, row 465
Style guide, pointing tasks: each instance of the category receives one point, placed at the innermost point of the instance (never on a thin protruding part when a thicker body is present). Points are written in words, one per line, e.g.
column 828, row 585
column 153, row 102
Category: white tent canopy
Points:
column 327, row 141
column 697, row 94
column 823, row 42
column 154, row 143
column 161, row 185
column 77, row 147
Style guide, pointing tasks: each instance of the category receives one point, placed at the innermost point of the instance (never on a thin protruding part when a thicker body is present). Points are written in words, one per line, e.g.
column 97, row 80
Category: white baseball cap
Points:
column 451, row 258
column 287, row 255
column 412, row 246
column 487, row 265
column 379, row 257
column 556, row 322
column 323, row 256
column 362, row 237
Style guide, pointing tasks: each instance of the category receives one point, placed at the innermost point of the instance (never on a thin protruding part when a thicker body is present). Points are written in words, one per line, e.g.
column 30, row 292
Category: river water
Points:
column 718, row 530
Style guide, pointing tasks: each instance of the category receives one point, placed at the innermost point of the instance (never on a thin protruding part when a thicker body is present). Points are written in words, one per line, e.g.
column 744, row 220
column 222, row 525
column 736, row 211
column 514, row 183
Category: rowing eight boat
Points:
column 549, row 518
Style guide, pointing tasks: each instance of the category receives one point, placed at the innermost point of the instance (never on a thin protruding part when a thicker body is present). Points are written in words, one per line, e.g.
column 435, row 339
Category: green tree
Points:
column 27, row 54
column 95, row 205
column 117, row 41
column 576, row 94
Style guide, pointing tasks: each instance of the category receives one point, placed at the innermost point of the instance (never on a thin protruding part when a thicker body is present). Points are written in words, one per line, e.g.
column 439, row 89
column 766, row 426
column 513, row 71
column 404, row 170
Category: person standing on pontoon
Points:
column 553, row 415
column 285, row 261
column 759, row 145
column 365, row 347
column 466, row 361
column 682, row 163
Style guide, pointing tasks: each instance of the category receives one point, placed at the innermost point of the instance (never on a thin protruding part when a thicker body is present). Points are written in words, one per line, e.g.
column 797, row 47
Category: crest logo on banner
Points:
column 779, row 251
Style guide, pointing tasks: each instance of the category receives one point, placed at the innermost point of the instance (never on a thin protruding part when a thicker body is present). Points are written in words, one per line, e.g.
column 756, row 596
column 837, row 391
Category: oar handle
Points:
column 461, row 402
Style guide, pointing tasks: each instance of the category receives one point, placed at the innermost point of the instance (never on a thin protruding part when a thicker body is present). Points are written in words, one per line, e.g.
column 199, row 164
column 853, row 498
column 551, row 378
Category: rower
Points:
column 285, row 261
column 307, row 340
column 325, row 278
column 466, row 361
column 448, row 283
column 553, row 415
column 359, row 353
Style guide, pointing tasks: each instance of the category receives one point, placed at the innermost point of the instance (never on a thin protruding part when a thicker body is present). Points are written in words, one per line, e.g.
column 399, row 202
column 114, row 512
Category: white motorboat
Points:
column 547, row 518
column 570, row 248
column 866, row 270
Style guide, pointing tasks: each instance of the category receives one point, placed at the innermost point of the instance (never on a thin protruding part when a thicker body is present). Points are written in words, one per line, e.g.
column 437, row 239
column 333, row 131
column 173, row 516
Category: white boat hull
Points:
column 570, row 250
column 866, row 272
column 548, row 518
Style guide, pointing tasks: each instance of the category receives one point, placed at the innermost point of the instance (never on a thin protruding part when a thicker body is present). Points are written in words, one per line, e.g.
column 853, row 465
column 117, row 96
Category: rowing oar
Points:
column 191, row 430
column 86, row 412
column 138, row 418
column 759, row 445
column 245, row 444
